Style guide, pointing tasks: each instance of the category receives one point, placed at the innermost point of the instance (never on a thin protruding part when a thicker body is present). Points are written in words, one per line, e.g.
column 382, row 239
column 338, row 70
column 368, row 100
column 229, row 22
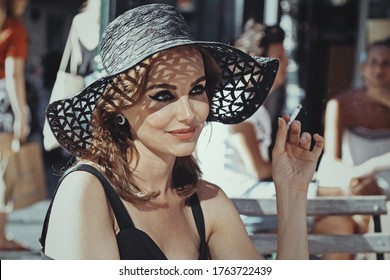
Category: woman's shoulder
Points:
column 349, row 103
column 79, row 208
column 207, row 188
column 86, row 31
column 220, row 214
column 347, row 97
column 211, row 195
column 81, row 186
column 83, row 197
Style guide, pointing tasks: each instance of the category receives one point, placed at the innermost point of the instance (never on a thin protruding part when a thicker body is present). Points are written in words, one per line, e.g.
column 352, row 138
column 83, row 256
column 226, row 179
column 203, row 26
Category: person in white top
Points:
column 237, row 157
column 357, row 143
column 243, row 149
column 80, row 58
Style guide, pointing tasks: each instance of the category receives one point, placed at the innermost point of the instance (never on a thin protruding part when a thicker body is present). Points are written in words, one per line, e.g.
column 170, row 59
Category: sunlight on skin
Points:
column 174, row 107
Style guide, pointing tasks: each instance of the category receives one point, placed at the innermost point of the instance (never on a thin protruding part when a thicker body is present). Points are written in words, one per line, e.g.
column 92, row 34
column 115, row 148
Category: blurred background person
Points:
column 14, row 112
column 242, row 151
column 262, row 40
column 84, row 36
column 86, row 25
column 238, row 157
column 357, row 143
column 254, row 138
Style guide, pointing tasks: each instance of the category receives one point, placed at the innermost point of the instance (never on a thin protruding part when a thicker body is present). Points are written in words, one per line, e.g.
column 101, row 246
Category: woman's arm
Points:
column 16, row 89
column 372, row 166
column 331, row 162
column 81, row 225
column 333, row 130
column 226, row 234
column 293, row 166
column 362, row 177
column 245, row 141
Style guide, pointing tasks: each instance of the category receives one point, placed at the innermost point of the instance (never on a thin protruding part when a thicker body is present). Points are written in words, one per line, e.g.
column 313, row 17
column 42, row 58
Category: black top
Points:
column 133, row 244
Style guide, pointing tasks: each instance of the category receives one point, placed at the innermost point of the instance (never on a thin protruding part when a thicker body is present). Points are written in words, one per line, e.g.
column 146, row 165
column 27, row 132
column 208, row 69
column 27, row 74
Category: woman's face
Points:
column 19, row 7
column 170, row 113
column 376, row 70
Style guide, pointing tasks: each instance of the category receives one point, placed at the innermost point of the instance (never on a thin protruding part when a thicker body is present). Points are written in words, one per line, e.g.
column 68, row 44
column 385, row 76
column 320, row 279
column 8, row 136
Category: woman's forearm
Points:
column 292, row 225
column 15, row 84
column 373, row 165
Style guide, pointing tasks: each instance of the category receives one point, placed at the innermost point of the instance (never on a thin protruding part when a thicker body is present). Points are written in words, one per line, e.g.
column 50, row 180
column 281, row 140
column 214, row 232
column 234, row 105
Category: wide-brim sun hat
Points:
column 142, row 32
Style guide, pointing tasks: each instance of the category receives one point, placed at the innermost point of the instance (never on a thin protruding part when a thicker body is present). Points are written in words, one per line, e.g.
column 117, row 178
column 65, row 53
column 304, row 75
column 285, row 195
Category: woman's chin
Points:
column 184, row 150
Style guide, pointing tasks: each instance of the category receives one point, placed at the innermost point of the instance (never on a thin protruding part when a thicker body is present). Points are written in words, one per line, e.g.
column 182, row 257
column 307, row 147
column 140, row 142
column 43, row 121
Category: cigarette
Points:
column 294, row 115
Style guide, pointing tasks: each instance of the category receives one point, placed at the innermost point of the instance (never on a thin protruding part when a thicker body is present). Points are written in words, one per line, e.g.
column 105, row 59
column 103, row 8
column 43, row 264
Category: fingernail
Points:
column 280, row 122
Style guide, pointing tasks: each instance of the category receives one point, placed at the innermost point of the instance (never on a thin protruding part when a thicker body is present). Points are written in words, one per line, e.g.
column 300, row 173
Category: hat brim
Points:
column 245, row 84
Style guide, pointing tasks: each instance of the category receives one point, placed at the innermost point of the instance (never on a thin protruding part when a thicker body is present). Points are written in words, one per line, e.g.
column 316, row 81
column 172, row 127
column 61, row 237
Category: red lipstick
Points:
column 183, row 134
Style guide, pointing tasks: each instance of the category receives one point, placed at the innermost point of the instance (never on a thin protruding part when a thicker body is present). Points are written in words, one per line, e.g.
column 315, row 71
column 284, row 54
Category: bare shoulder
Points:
column 225, row 232
column 357, row 109
column 86, row 195
column 350, row 98
column 82, row 185
column 208, row 191
column 79, row 209
column 79, row 19
column 213, row 199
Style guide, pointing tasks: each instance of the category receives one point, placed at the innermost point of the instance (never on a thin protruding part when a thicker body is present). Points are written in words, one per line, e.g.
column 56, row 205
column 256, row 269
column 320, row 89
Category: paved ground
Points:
column 25, row 225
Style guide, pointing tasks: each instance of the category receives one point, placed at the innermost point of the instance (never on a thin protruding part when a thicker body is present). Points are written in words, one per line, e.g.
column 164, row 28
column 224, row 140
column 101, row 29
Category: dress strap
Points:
column 120, row 212
column 198, row 216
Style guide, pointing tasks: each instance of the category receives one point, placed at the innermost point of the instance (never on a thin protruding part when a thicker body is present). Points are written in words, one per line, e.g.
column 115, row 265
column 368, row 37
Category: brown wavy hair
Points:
column 112, row 148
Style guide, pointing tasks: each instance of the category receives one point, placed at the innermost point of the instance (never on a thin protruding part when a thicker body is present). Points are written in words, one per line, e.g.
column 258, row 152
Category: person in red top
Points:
column 14, row 113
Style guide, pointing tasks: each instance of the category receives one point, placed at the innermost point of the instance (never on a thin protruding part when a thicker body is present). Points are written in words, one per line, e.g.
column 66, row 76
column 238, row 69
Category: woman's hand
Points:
column 22, row 127
column 293, row 162
column 22, row 124
column 365, row 186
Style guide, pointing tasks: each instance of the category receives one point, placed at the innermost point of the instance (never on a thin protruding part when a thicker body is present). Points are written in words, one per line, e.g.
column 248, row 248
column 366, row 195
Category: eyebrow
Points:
column 164, row 86
column 197, row 81
column 169, row 86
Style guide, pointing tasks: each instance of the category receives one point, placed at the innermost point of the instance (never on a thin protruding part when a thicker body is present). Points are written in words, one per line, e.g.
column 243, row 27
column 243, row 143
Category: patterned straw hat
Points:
column 138, row 34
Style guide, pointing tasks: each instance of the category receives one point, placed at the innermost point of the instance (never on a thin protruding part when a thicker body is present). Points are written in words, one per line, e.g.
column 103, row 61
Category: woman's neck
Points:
column 154, row 173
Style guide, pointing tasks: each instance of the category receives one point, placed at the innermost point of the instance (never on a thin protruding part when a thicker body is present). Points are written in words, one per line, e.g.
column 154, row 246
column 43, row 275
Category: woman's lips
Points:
column 183, row 134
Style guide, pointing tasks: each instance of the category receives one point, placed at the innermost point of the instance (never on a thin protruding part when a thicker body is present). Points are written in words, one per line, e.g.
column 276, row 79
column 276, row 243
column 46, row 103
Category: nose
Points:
column 185, row 111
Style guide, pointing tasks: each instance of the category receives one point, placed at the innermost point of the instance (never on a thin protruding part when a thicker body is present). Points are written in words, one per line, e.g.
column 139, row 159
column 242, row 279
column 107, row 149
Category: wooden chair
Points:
column 376, row 242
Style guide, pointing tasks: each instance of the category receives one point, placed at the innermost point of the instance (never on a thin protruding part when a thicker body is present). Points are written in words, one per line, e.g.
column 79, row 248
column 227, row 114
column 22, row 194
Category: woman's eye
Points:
column 198, row 90
column 162, row 96
column 372, row 63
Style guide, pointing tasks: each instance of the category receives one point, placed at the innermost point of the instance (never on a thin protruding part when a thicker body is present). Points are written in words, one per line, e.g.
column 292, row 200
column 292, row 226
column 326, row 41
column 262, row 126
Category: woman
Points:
column 80, row 57
column 237, row 157
column 135, row 131
column 252, row 138
column 14, row 112
column 357, row 131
